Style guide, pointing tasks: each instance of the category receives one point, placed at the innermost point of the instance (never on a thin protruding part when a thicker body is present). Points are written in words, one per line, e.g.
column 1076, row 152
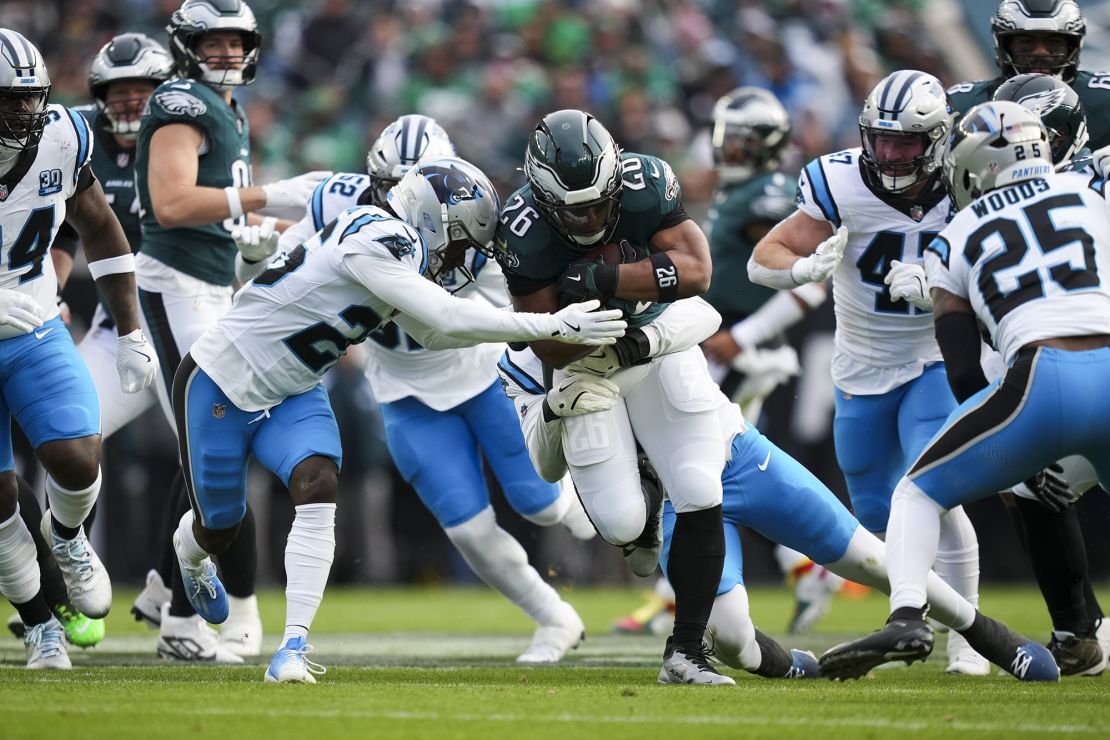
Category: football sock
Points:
column 53, row 584
column 189, row 551
column 309, row 552
column 68, row 509
column 774, row 661
column 734, row 635
column 19, row 566
column 34, row 610
column 912, row 535
column 177, row 503
column 179, row 601
column 957, row 561
column 1059, row 557
column 694, row 570
column 500, row 561
column 239, row 562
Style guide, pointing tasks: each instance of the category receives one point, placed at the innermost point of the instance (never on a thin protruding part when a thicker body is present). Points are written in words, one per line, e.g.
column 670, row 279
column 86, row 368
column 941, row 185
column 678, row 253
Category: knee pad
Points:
column 19, row 565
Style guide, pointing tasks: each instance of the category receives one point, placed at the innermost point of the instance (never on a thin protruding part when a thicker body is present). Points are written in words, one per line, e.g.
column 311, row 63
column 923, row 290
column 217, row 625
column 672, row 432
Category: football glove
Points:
column 1050, row 488
column 582, row 394
column 584, row 281
column 907, row 283
column 19, row 311
column 135, row 361
column 629, row 350
column 821, row 264
column 581, row 323
column 258, row 242
column 294, row 192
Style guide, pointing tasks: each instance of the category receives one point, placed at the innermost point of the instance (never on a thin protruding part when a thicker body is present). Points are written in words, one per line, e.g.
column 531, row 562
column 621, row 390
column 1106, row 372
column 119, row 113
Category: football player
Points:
column 45, row 178
column 251, row 384
column 862, row 212
column 582, row 193
column 193, row 174
column 451, row 401
column 1052, row 330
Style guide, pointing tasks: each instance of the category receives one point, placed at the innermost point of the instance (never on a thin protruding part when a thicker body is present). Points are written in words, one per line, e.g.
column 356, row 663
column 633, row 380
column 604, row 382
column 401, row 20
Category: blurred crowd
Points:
column 334, row 72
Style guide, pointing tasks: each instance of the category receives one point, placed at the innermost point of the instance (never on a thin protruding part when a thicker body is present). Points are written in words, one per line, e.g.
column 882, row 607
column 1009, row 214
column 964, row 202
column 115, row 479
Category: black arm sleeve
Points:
column 675, row 217
column 66, row 240
column 958, row 337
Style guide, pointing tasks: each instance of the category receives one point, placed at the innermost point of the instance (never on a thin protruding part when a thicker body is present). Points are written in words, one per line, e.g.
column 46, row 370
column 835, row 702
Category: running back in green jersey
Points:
column 1093, row 89
column 534, row 255
column 114, row 167
column 205, row 252
column 740, row 214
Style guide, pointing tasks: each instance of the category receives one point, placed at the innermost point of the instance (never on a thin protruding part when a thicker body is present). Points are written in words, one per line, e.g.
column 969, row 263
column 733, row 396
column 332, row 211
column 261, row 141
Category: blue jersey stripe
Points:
column 821, row 193
column 355, row 226
column 82, row 128
column 318, row 206
column 526, row 382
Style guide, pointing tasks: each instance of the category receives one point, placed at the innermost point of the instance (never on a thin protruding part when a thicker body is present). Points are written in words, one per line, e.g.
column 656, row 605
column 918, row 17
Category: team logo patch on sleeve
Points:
column 399, row 246
column 179, row 102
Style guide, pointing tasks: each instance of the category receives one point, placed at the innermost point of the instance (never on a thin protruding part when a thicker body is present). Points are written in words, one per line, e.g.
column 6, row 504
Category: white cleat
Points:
column 147, row 606
column 552, row 641
column 90, row 589
column 242, row 632
column 46, row 646
column 290, row 664
column 190, row 639
column 695, row 668
column 962, row 658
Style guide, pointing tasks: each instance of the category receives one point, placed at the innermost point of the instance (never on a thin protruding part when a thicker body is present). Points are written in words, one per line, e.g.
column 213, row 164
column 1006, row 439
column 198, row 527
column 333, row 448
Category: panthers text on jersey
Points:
column 765, row 199
column 880, row 344
column 1031, row 259
column 399, row 367
column 204, row 252
column 534, row 255
column 1093, row 89
column 33, row 197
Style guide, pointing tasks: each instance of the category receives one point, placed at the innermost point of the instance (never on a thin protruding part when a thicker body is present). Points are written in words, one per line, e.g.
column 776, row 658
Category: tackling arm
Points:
column 553, row 354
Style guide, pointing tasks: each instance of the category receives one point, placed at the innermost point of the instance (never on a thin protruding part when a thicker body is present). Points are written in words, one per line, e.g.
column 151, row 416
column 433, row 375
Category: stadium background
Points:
column 334, row 72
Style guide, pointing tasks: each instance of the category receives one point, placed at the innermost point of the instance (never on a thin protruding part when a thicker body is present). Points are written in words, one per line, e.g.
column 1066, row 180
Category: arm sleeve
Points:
column 958, row 338
column 785, row 309
column 544, row 439
column 684, row 324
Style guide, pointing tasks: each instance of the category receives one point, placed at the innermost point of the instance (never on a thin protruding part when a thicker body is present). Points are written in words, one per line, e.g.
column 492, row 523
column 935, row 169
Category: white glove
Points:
column 580, row 323
column 20, row 311
column 294, row 192
column 258, row 242
column 907, row 283
column 135, row 361
column 602, row 362
column 582, row 394
column 764, row 370
column 819, row 265
column 1100, row 161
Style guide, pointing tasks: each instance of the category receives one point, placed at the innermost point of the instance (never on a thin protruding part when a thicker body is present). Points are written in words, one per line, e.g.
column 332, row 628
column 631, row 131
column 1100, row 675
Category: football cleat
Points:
column 203, row 588
column 550, row 642
column 899, row 639
column 46, row 646
column 242, row 632
column 148, row 604
column 814, row 588
column 1022, row 658
column 1076, row 656
column 80, row 630
column 962, row 658
column 190, row 640
column 90, row 589
column 690, row 665
column 642, row 555
column 803, row 665
column 290, row 664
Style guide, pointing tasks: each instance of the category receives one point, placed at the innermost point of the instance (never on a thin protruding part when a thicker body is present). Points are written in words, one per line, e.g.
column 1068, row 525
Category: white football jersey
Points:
column 880, row 344
column 33, row 208
column 399, row 367
column 1031, row 259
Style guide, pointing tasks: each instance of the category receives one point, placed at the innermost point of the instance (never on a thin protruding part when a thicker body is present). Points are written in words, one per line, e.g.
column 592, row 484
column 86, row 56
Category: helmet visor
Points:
column 586, row 223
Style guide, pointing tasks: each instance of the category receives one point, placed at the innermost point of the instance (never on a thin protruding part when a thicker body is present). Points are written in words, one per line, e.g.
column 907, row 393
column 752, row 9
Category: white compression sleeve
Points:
column 760, row 275
column 778, row 314
column 912, row 537
column 957, row 561
column 70, row 508
column 308, row 556
column 685, row 323
column 19, row 565
column 733, row 630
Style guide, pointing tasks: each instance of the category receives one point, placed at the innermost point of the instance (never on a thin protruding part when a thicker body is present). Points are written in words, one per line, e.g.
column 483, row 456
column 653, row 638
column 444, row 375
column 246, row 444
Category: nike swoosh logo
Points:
column 43, row 333
column 572, row 326
column 576, row 278
column 144, row 354
column 766, row 462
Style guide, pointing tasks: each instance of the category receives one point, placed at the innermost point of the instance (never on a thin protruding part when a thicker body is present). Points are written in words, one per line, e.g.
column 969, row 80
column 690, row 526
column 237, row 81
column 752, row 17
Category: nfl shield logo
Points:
column 218, row 410
column 123, row 159
column 3, row 191
column 917, row 213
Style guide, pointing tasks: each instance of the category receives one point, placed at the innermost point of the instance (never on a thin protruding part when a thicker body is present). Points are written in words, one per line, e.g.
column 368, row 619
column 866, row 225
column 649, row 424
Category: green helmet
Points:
column 573, row 166
column 1058, row 106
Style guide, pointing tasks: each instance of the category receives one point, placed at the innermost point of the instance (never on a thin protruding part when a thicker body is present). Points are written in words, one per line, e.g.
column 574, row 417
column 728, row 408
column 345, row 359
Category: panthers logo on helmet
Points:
column 179, row 102
column 452, row 185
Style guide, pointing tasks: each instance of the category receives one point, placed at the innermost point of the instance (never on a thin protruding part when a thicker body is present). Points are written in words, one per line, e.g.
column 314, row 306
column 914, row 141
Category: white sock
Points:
column 69, row 508
column 789, row 559
column 19, row 565
column 501, row 562
column 957, row 560
column 308, row 555
column 911, row 544
column 733, row 631
column 188, row 549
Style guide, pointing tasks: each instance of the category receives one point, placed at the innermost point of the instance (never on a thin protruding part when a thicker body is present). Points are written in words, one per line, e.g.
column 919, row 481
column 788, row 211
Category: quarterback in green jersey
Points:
column 584, row 194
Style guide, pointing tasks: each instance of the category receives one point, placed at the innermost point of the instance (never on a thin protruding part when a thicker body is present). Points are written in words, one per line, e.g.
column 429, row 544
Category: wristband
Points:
column 112, row 266
column 633, row 348
column 606, row 277
column 666, row 277
column 234, row 204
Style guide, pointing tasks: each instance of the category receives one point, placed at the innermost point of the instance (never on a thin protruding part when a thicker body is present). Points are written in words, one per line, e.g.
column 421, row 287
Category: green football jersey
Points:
column 534, row 255
column 1093, row 89
column 765, row 199
column 205, row 252
column 114, row 167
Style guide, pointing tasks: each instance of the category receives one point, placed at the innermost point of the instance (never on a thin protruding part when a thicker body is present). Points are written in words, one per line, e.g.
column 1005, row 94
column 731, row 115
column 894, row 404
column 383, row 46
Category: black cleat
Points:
column 1076, row 656
column 642, row 554
column 1019, row 656
column 899, row 639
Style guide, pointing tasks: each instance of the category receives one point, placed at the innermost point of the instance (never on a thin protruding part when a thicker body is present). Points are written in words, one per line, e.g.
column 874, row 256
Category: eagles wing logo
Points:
column 397, row 245
column 1043, row 102
column 179, row 102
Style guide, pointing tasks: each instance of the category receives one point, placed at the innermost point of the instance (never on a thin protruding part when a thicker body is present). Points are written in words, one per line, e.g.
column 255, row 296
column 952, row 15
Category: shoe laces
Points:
column 204, row 576
column 48, row 641
column 699, row 656
column 78, row 555
column 301, row 654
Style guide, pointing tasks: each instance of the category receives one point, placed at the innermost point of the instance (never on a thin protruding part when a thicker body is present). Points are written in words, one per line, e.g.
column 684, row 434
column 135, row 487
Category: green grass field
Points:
column 439, row 663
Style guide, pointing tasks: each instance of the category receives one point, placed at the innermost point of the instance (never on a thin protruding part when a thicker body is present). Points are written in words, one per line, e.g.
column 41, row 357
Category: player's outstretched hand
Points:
column 907, row 283
column 19, row 311
column 1050, row 487
column 295, row 191
column 582, row 394
column 257, row 242
column 821, row 264
column 135, row 361
column 581, row 323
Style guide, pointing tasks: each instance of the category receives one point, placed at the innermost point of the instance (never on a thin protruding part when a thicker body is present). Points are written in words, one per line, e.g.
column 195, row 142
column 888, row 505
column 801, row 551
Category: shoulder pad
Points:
column 70, row 130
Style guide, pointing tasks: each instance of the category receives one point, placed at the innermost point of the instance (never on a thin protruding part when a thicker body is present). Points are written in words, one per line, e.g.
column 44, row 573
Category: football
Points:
column 610, row 254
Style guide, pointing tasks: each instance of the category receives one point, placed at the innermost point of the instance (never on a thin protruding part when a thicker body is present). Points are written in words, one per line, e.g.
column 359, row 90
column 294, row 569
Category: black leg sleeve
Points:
column 696, row 560
column 53, row 585
column 1059, row 557
column 239, row 562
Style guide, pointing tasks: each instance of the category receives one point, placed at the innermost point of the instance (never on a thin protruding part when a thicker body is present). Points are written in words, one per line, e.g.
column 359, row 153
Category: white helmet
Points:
column 23, row 78
column 197, row 17
column 129, row 56
column 453, row 206
column 401, row 145
column 908, row 104
column 995, row 144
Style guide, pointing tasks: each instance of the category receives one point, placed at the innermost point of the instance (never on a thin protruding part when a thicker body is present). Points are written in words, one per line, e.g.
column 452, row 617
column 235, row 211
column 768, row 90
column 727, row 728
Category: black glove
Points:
column 632, row 348
column 1051, row 488
column 586, row 281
